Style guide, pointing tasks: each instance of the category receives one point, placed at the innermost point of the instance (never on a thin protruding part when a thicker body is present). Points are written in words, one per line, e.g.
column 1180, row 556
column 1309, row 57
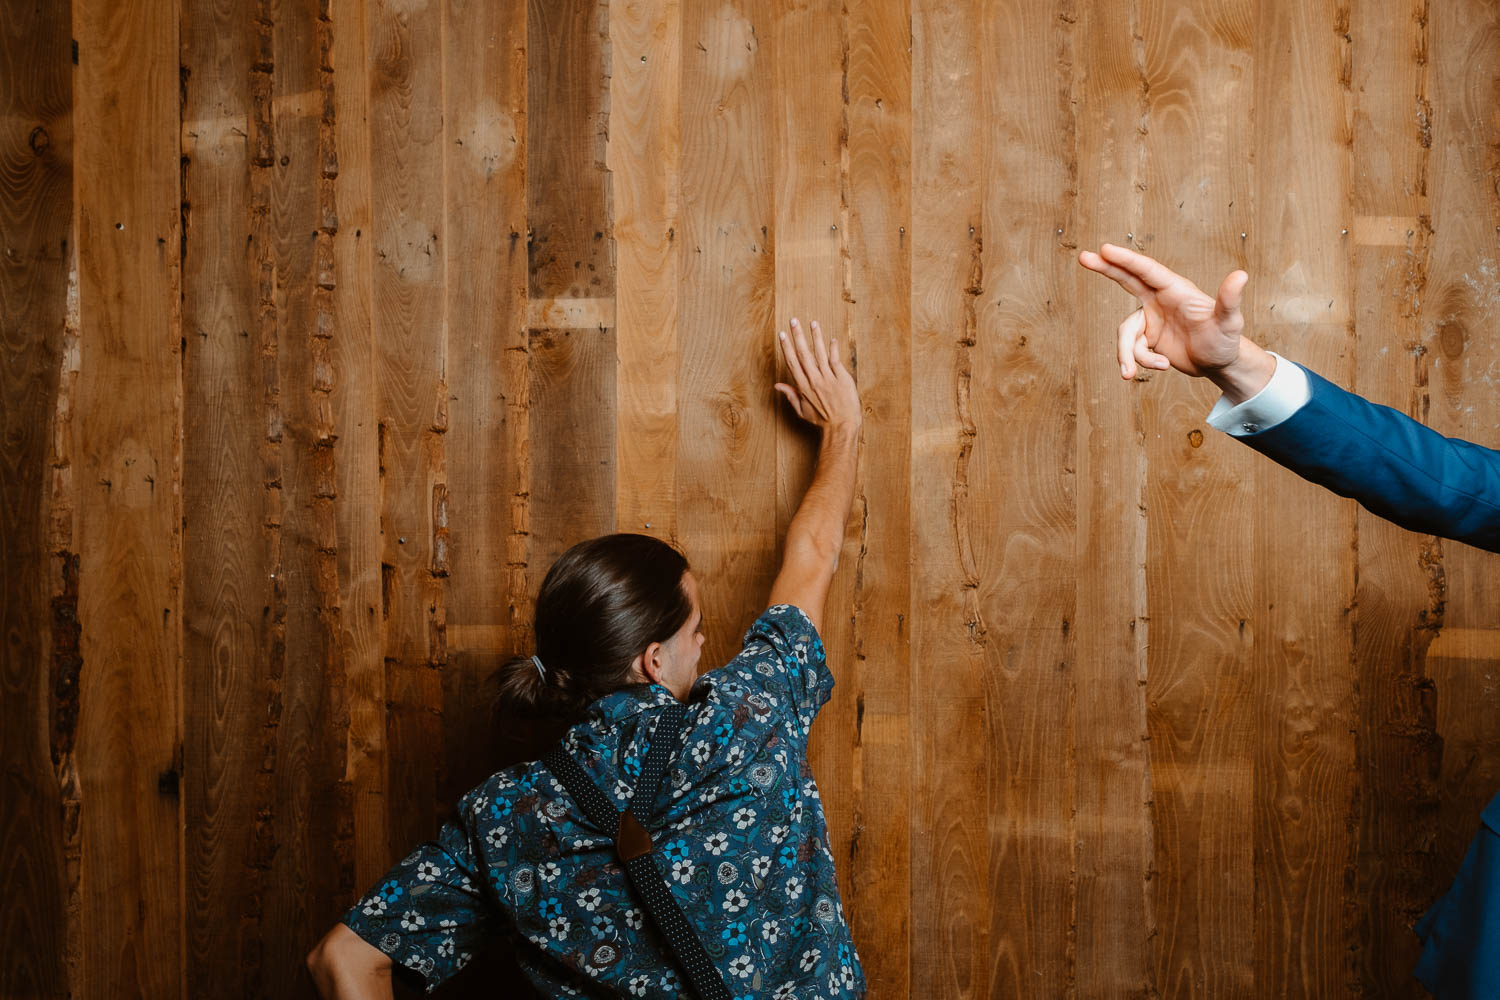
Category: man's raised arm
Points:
column 824, row 394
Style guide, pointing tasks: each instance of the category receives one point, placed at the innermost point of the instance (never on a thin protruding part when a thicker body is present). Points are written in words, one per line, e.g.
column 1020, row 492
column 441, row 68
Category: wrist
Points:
column 839, row 439
column 1246, row 375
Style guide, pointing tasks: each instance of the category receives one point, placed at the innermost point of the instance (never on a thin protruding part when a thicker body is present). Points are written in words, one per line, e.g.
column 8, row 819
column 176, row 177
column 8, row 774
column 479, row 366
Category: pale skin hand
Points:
column 824, row 394
column 1181, row 326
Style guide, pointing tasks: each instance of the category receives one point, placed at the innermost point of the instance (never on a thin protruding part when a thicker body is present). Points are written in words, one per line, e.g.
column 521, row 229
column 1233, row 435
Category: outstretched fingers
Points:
column 820, row 349
column 1118, row 274
column 1153, row 273
column 793, row 357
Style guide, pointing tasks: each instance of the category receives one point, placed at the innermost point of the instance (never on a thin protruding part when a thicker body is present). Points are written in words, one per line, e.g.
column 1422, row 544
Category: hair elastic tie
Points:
column 541, row 671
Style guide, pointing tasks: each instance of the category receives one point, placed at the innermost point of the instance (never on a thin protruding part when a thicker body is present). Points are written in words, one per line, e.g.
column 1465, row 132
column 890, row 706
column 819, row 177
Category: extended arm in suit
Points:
column 1396, row 467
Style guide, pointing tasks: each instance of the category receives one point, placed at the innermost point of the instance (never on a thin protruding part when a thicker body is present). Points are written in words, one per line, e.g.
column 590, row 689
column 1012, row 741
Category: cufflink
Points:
column 1249, row 428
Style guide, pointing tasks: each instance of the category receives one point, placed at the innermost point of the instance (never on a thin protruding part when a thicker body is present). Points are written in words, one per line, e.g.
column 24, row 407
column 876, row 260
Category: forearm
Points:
column 816, row 532
column 817, row 528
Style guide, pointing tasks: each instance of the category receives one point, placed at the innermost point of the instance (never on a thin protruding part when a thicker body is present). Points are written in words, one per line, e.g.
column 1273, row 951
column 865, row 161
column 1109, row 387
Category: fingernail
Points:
column 1124, row 371
column 781, row 334
column 794, row 321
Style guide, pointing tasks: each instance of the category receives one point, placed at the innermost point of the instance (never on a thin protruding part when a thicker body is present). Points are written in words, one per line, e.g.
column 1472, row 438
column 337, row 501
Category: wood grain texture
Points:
column 726, row 520
column 1460, row 305
column 127, row 469
column 351, row 400
column 951, row 919
column 1116, row 911
column 877, row 224
column 311, row 870
column 227, row 569
column 808, row 55
column 1195, row 88
column 572, row 248
column 644, row 159
column 571, row 255
column 1017, row 514
column 1123, row 710
column 1304, row 818
column 485, row 108
column 1399, row 599
column 37, row 668
column 411, row 339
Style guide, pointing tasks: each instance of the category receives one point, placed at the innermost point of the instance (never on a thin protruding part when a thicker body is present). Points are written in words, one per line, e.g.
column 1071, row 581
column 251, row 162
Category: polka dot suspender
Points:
column 634, row 847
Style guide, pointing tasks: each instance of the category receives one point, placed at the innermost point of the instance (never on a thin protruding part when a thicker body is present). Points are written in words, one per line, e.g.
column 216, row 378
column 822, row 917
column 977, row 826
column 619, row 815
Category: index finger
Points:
column 1152, row 272
column 1115, row 273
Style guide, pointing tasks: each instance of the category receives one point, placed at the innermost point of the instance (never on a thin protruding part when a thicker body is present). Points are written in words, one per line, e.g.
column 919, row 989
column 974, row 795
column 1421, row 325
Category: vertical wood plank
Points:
column 1461, row 308
column 485, row 106
column 878, row 223
column 310, row 862
column 809, row 58
column 38, row 672
column 951, row 916
column 407, row 152
column 572, row 280
column 126, row 446
column 644, row 158
column 1399, row 601
column 227, row 572
column 352, row 401
column 1196, row 91
column 1018, row 512
column 726, row 519
column 1116, row 915
column 1301, row 666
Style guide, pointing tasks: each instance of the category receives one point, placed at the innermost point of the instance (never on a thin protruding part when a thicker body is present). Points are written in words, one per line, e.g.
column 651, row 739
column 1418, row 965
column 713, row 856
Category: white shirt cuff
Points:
column 1286, row 393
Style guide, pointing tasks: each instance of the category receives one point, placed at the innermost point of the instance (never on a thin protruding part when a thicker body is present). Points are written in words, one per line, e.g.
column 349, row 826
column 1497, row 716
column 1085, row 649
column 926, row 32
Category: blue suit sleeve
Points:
column 1394, row 466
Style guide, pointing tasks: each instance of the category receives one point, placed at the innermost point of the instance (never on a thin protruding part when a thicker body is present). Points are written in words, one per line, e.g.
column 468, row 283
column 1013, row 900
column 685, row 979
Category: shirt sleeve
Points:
column 782, row 660
column 428, row 912
column 1286, row 393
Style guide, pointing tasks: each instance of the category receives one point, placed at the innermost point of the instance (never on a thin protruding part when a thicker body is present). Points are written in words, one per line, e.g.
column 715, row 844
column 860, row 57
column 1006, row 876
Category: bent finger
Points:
column 1147, row 358
column 820, row 349
column 793, row 362
column 806, row 360
column 1133, row 329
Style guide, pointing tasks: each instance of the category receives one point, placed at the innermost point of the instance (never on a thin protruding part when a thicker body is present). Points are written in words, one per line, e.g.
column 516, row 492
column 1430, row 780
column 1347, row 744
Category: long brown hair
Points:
column 602, row 603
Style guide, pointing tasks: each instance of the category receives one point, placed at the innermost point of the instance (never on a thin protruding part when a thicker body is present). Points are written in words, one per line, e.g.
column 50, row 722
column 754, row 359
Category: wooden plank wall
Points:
column 327, row 324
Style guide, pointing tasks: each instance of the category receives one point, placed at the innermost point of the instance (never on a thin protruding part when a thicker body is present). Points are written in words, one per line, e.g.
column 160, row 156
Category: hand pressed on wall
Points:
column 825, row 394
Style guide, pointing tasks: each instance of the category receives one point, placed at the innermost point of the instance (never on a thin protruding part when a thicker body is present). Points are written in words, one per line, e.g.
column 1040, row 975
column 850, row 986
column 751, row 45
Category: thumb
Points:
column 1230, row 293
column 791, row 396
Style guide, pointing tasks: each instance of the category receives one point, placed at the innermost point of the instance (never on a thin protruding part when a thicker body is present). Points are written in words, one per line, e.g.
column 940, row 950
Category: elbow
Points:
column 317, row 967
column 322, row 963
column 342, row 955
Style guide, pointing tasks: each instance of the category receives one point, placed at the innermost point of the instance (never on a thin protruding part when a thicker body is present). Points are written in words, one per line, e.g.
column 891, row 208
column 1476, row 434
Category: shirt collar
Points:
column 617, row 706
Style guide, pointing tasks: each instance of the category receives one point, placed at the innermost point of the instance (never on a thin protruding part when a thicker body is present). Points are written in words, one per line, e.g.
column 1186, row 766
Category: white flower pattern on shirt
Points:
column 740, row 835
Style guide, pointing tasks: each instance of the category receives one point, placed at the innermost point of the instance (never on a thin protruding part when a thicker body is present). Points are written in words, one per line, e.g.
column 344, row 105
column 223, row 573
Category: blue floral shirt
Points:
column 739, row 831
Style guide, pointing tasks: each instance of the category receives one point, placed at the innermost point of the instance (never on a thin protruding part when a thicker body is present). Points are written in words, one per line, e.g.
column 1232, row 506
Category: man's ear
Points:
column 651, row 664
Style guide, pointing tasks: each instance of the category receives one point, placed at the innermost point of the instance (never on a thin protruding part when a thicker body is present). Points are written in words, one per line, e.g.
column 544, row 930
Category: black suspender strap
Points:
column 635, row 850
